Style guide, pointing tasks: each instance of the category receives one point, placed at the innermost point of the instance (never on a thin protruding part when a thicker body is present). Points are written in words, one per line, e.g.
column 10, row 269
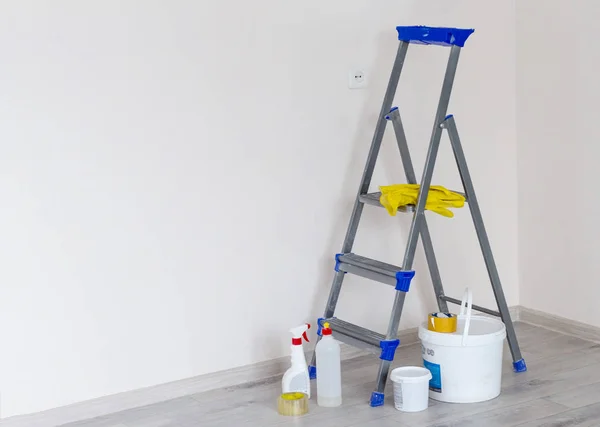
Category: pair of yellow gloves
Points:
column 438, row 200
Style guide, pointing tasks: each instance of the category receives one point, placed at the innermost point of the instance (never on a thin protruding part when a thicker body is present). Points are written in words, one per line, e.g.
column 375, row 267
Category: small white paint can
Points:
column 411, row 388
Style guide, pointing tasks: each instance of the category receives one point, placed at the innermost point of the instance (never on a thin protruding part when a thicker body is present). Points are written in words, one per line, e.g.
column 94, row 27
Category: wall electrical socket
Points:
column 357, row 79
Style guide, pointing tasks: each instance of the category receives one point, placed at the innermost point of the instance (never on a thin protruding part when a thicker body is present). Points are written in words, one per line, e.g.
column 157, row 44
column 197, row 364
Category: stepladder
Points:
column 400, row 277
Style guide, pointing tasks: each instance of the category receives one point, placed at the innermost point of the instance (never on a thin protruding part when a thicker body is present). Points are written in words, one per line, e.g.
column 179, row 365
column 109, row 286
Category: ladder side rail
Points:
column 436, row 136
column 484, row 242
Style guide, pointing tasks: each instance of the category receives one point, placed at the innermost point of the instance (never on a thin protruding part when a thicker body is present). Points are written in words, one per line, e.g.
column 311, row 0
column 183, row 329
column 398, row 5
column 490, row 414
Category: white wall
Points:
column 559, row 157
column 176, row 177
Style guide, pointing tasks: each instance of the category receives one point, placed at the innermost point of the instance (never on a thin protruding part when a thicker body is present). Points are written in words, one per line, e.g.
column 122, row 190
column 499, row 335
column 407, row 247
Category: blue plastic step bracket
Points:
column 403, row 279
column 388, row 349
column 440, row 36
column 320, row 322
column 338, row 262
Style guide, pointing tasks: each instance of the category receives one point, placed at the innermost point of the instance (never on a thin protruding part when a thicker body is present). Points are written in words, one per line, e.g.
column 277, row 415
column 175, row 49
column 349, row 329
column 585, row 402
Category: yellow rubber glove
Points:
column 438, row 200
column 394, row 196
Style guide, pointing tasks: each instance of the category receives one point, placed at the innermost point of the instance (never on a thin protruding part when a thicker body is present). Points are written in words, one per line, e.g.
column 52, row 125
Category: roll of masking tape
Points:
column 442, row 322
column 293, row 404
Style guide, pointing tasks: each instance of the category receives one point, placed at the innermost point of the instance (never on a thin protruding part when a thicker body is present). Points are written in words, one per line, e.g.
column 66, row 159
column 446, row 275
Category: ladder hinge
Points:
column 388, row 349
column 389, row 115
column 403, row 279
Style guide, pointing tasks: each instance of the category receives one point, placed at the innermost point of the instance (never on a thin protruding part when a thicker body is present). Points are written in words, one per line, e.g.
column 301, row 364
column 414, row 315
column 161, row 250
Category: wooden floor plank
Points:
column 578, row 397
column 587, row 416
column 507, row 416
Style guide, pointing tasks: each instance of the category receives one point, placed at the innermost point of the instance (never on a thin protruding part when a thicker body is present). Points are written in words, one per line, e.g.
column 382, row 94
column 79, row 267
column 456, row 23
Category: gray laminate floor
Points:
column 561, row 388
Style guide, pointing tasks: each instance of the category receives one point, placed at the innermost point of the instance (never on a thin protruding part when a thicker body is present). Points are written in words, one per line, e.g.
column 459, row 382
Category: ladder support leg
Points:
column 411, row 178
column 392, row 332
column 334, row 294
column 419, row 215
column 434, row 272
column 484, row 242
column 377, row 397
column 384, row 365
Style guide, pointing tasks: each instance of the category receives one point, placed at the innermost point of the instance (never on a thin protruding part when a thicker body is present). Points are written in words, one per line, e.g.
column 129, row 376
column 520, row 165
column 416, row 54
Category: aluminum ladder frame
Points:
column 400, row 277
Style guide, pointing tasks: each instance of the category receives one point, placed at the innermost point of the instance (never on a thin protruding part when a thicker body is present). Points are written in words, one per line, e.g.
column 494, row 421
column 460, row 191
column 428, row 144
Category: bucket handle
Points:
column 466, row 309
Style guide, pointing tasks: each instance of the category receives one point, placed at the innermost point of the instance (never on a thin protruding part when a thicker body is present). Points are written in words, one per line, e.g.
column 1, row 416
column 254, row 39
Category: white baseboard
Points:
column 250, row 373
column 559, row 324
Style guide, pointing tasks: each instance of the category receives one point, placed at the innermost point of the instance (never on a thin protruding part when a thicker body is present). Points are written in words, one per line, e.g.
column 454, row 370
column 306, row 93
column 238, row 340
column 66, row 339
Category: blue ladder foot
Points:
column 520, row 366
column 312, row 372
column 376, row 399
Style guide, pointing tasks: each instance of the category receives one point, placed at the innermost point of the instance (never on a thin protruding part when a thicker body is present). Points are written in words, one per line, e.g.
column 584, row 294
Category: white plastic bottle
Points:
column 296, row 378
column 329, row 372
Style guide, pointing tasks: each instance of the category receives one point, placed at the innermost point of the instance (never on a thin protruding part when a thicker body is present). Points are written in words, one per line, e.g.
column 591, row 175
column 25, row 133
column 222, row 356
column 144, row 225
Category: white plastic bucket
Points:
column 466, row 366
column 411, row 388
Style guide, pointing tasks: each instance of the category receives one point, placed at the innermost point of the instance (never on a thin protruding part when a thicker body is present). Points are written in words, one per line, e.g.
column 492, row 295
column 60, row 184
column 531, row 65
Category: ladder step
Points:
column 373, row 200
column 475, row 307
column 344, row 329
column 369, row 264
column 374, row 270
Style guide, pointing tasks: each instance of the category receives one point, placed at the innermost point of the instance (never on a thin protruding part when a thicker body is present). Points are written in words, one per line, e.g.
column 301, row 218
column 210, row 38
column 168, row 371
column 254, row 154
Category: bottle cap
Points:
column 326, row 329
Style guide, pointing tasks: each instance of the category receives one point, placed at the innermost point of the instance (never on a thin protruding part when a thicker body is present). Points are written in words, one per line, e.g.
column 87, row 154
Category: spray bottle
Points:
column 296, row 378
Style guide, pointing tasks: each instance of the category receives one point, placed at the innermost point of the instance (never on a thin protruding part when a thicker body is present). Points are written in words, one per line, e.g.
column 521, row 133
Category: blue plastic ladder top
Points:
column 440, row 36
